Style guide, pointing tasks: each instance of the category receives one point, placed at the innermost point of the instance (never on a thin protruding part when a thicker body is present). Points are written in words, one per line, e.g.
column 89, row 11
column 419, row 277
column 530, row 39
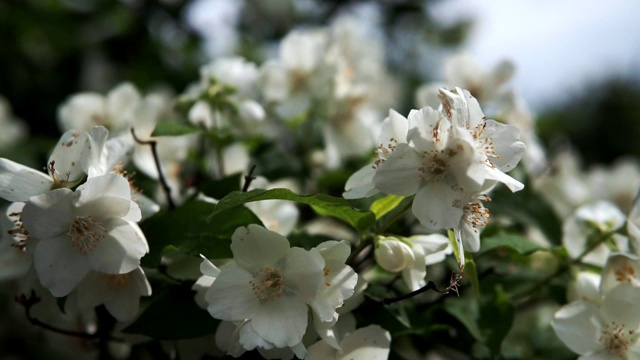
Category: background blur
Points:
column 578, row 62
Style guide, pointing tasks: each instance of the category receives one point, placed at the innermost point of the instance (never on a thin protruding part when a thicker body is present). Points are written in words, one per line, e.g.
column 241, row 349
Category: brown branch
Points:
column 33, row 299
column 248, row 179
column 453, row 287
column 156, row 159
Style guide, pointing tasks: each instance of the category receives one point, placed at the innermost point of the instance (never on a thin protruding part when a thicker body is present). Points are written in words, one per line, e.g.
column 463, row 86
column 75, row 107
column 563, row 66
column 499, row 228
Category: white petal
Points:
column 497, row 175
column 338, row 287
column 400, row 173
column 360, row 184
column 207, row 268
column 337, row 251
column 620, row 305
column 424, row 125
column 59, row 266
column 303, row 272
column 121, row 250
column 19, row 182
column 438, row 205
column 103, row 185
column 231, row 297
column 321, row 350
column 67, row 156
column 578, row 326
column 255, row 247
column 49, row 215
column 371, row 343
column 93, row 158
column 282, row 321
column 395, row 127
column 82, row 111
column 506, row 141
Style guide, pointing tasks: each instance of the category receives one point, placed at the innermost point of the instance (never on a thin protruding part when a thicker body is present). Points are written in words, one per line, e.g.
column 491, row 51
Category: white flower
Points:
column 120, row 293
column 620, row 269
column 269, row 287
column 280, row 216
column 13, row 130
column 371, row 343
column 585, row 286
column 605, row 332
column 91, row 228
column 591, row 221
column 15, row 259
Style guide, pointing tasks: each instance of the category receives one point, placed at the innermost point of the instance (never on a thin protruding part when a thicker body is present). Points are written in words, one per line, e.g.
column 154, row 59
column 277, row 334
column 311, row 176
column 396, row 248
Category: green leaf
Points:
column 174, row 128
column 471, row 273
column 192, row 230
column 322, row 204
column 174, row 315
column 466, row 311
column 384, row 205
column 454, row 245
column 496, row 318
column 520, row 244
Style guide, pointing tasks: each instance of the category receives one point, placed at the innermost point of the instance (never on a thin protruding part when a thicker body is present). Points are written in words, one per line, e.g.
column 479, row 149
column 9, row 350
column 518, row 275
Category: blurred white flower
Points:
column 14, row 130
column 586, row 225
column 91, row 228
column 608, row 331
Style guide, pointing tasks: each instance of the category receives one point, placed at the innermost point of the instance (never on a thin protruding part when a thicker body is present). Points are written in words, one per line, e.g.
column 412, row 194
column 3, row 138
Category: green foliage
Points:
column 175, row 128
column 163, row 320
column 324, row 205
column 517, row 243
column 192, row 230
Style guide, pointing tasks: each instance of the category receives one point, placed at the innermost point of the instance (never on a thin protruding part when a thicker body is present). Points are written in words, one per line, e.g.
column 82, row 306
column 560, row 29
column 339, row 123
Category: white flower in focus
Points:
column 268, row 287
column 91, row 228
column 371, row 343
column 209, row 274
column 609, row 331
column 120, row 293
column 586, row 225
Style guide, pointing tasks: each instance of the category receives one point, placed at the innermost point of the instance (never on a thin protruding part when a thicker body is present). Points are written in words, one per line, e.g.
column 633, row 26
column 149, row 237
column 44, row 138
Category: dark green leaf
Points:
column 496, row 318
column 465, row 310
column 322, row 204
column 217, row 189
column 520, row 244
column 174, row 128
column 191, row 229
column 174, row 315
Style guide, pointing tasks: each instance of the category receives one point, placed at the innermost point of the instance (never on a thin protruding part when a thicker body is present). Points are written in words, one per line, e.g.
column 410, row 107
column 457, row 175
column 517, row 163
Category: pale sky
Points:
column 556, row 45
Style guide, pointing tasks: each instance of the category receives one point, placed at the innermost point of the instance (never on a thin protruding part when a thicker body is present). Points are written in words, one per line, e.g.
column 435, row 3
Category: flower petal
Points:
column 282, row 321
column 578, row 326
column 400, row 174
column 230, row 297
column 67, row 158
column 360, row 184
column 255, row 247
column 438, row 205
column 371, row 343
column 49, row 215
column 19, row 182
column 59, row 266
column 121, row 250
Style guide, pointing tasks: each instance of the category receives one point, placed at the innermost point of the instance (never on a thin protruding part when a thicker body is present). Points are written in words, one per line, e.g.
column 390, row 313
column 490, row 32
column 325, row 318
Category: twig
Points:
column 33, row 299
column 156, row 159
column 248, row 179
column 453, row 287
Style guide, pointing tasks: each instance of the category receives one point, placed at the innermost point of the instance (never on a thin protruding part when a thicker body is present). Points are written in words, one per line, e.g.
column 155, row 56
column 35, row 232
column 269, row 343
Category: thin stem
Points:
column 156, row 159
column 453, row 287
column 33, row 299
column 248, row 179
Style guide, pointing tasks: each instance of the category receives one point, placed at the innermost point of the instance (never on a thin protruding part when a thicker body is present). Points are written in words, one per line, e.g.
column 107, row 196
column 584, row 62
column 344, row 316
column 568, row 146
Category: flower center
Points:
column 116, row 282
column 625, row 273
column 85, row 233
column 616, row 339
column 384, row 151
column 475, row 214
column 267, row 284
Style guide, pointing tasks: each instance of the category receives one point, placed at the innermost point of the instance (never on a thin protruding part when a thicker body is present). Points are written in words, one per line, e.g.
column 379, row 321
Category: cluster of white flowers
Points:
column 265, row 297
column 83, row 243
column 449, row 158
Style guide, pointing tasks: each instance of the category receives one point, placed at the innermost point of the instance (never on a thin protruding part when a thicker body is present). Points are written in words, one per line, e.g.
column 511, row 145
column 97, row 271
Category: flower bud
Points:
column 394, row 255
